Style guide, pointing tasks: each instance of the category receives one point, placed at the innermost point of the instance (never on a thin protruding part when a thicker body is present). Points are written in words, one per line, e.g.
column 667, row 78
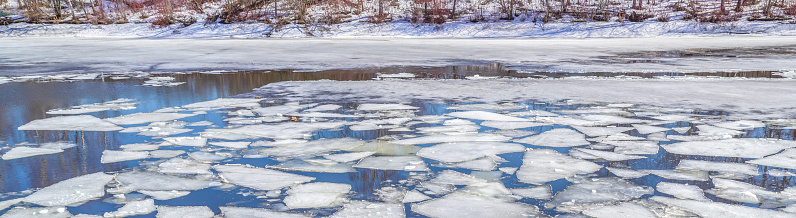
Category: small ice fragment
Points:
column 370, row 209
column 23, row 152
column 325, row 107
column 184, row 212
column 483, row 164
column 160, row 182
column 456, row 178
column 312, row 148
column 647, row 129
column 414, row 196
column 183, row 166
column 206, row 157
column 348, row 157
column 187, row 141
column 626, row 209
column 165, row 153
column 598, row 190
column 545, row 165
column 539, row 192
column 393, row 163
column 610, row 156
column 508, row 170
column 601, row 131
column 432, row 139
column 223, row 103
column 682, row 191
column 110, row 156
column 259, row 178
column 626, row 173
column 741, row 168
column 58, row 145
column 556, row 138
column 707, row 130
column 690, row 175
column 511, row 125
column 786, row 159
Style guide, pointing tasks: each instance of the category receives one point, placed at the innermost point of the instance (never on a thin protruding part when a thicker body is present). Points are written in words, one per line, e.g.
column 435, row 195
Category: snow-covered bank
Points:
column 402, row 29
column 24, row 56
column 742, row 98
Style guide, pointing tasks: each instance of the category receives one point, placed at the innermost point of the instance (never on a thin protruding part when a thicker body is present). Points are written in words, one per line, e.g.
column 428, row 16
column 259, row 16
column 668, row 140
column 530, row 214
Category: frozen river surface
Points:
column 465, row 141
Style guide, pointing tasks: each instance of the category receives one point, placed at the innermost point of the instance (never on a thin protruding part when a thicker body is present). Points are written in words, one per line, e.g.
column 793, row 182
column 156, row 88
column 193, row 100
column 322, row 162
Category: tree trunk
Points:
column 381, row 11
column 453, row 12
column 738, row 6
column 721, row 5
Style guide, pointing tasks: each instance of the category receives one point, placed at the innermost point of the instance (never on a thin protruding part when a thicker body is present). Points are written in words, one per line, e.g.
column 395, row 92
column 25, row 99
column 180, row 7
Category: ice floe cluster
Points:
column 476, row 159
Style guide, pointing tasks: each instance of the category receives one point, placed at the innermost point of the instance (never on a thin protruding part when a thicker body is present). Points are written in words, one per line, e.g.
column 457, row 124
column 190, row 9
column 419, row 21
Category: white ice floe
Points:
column 544, row 165
column 716, row 209
column 247, row 212
column 539, row 192
column 406, row 163
column 207, row 157
column 616, row 137
column 37, row 212
column 71, row 123
column 323, row 115
column 690, row 175
column 681, row 191
column 601, row 131
column 447, row 129
column 285, row 130
column 533, row 113
column 491, row 107
column 223, row 103
column 23, row 152
column 164, row 195
column 741, row 191
column 456, row 122
column 367, row 209
column 315, row 165
column 139, row 147
column 597, row 190
column 626, row 209
column 456, row 178
column 312, row 148
column 556, row 138
column 626, row 173
column 511, row 125
column 728, row 167
column 490, row 189
column 316, row 195
column 741, row 124
column 414, row 196
column 384, row 107
column 183, row 166
column 159, row 182
column 387, row 148
column 165, row 153
column 141, row 118
column 508, row 170
column 609, row 156
column 433, row 139
column 609, row 120
column 8, row 203
column 647, row 129
column 110, row 156
column 682, row 130
column 348, row 157
column 483, row 164
column 786, row 159
column 184, row 212
column 458, row 205
column 634, row 147
column 133, row 208
column 467, row 151
column 186, row 141
column 232, row 145
column 708, row 130
column 278, row 110
column 71, row 191
column 489, row 116
column 736, row 147
column 259, row 178
column 325, row 107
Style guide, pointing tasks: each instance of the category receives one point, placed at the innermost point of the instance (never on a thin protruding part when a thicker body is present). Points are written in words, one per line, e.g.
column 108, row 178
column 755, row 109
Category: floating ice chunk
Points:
column 616, row 137
column 647, row 129
column 305, row 165
column 483, row 164
column 708, row 130
column 698, row 137
column 556, row 138
column 259, row 178
column 245, row 212
column 183, row 166
column 739, row 191
column 23, row 152
column 109, row 156
column 511, row 125
column 89, row 76
column 443, row 129
column 598, row 190
column 75, row 111
column 622, row 210
column 118, row 104
column 316, row 195
column 242, row 113
column 456, row 122
column 682, row 191
column 8, row 203
column 626, row 173
column 348, row 157
column 312, row 148
column 736, row 147
column 214, row 134
column 601, row 131
column 160, row 182
column 433, row 139
column 634, row 147
column 185, row 212
column 165, row 195
column 466, row 151
column 490, row 189
column 691, row 175
column 715, row 209
column 277, row 110
column 545, row 165
column 741, row 125
column 133, row 208
column 508, row 170
column 514, row 133
column 456, row 178
column 567, row 121
column 386, row 148
column 139, row 147
column 658, row 136
column 222, row 103
column 165, row 153
column 37, row 212
column 278, row 142
column 232, row 145
column 406, row 163
column 286, row 130
column 71, row 123
column 539, row 192
column 786, row 159
column 533, row 113
column 492, row 107
column 384, row 107
column 682, row 130
column 206, row 157
column 370, row 209
column 140, row 118
column 610, row 156
column 323, row 115
column 201, row 123
column 414, row 196
column 608, row 120
column 71, row 191
column 483, row 115
column 187, row 141
column 463, row 205
column 740, row 168
column 325, row 107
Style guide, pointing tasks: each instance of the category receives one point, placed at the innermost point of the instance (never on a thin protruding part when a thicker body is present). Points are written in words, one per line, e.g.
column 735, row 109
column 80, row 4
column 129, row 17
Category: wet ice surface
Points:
column 249, row 157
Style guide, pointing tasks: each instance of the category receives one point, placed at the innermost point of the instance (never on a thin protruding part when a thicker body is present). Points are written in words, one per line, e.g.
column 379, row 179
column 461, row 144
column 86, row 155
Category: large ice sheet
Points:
column 285, row 130
column 681, row 191
column 23, row 152
column 737, row 147
column 601, row 131
column 629, row 210
column 184, row 212
column 247, row 212
column 316, row 195
column 545, row 165
column 786, row 159
column 483, row 115
column 728, row 167
column 597, row 190
column 71, row 123
column 141, row 118
column 133, row 208
column 715, row 209
column 432, row 139
column 556, row 138
column 259, row 178
column 71, row 191
column 312, row 148
column 459, row 204
column 159, row 182
column 110, row 156
column 367, row 209
column 466, row 151
column 406, row 163
column 222, row 103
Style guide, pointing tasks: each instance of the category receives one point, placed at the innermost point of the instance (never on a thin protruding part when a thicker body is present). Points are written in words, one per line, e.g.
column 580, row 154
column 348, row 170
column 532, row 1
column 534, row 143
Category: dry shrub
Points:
column 638, row 17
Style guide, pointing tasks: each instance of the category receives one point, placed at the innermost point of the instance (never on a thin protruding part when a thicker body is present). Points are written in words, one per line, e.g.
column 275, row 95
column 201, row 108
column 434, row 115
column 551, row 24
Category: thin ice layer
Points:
column 370, row 209
column 247, row 212
column 647, row 129
column 736, row 147
column 610, row 156
column 164, row 195
column 37, row 212
column 348, row 157
column 23, row 152
column 556, row 138
column 682, row 191
column 483, row 115
column 406, row 163
column 71, row 191
column 466, row 151
column 545, row 165
column 71, row 123
column 598, row 190
column 689, row 175
column 316, row 195
column 715, row 209
column 384, row 107
column 786, row 159
column 141, row 118
column 433, row 139
column 259, row 178
column 459, row 205
column 626, row 173
column 136, row 180
column 511, row 125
